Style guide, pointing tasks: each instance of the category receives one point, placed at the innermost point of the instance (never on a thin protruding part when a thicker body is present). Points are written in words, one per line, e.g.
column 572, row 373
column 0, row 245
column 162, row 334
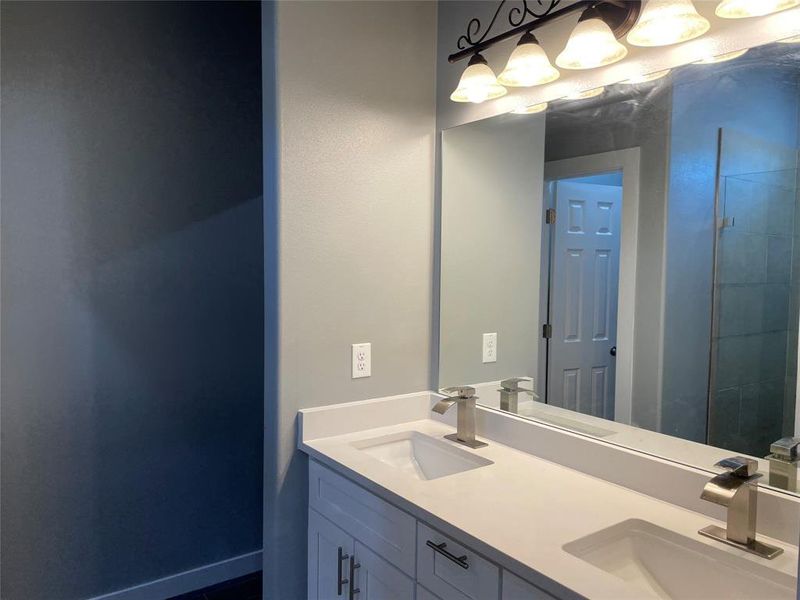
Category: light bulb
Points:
column 528, row 65
column 583, row 95
column 591, row 44
column 721, row 57
column 665, row 22
column 647, row 77
column 741, row 9
column 530, row 110
column 477, row 83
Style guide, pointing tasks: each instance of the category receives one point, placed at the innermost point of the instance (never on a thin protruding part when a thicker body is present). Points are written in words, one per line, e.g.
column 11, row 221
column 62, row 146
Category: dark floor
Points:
column 241, row 588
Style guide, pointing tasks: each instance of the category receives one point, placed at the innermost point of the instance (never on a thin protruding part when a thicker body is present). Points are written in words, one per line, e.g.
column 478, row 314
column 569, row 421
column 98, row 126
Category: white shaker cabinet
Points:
column 361, row 547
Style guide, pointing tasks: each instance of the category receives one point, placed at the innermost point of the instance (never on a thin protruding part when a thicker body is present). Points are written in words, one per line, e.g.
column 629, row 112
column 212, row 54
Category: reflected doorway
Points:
column 583, row 290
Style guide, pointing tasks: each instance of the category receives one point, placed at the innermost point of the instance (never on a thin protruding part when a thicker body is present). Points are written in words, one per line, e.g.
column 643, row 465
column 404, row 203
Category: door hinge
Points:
column 547, row 331
column 550, row 216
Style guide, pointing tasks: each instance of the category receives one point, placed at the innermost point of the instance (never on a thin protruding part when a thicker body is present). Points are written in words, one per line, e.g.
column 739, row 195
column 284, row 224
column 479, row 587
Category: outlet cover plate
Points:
column 362, row 360
column 489, row 347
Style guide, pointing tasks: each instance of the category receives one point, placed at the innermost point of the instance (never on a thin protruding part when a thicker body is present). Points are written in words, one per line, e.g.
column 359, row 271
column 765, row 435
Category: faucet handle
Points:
column 785, row 449
column 462, row 392
column 512, row 384
column 739, row 466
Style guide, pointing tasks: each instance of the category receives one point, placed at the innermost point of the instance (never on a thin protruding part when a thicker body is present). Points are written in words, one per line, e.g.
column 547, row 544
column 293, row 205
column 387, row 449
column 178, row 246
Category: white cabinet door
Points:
column 329, row 553
column 383, row 527
column 515, row 588
column 376, row 579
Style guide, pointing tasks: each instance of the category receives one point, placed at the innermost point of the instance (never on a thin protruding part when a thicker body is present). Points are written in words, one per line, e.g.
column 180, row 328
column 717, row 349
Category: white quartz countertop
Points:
column 521, row 510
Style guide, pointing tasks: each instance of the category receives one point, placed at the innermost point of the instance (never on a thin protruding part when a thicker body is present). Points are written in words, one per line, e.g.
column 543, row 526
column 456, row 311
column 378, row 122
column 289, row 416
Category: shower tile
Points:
column 741, row 309
column 780, row 214
column 770, row 409
column 743, row 257
column 776, row 307
column 724, row 417
column 772, row 364
column 748, row 409
column 745, row 203
column 779, row 258
column 738, row 360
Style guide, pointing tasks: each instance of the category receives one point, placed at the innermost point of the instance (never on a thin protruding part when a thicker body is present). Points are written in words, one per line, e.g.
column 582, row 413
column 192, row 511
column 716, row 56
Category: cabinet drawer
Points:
column 448, row 579
column 385, row 529
column 516, row 588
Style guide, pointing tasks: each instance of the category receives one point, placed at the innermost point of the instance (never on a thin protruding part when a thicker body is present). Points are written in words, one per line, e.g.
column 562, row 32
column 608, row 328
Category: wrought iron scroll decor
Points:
column 619, row 15
column 516, row 16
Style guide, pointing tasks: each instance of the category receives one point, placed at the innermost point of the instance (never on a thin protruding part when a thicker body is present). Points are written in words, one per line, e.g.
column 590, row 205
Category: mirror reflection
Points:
column 626, row 265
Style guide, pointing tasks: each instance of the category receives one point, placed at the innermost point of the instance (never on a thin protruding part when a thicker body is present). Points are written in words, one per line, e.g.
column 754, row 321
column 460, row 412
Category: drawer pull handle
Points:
column 461, row 561
column 353, row 566
column 339, row 581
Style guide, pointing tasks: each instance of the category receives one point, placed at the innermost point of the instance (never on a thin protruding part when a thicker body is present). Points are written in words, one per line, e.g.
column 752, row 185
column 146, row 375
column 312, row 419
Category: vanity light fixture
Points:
column 647, row 77
column 528, row 65
column 666, row 22
column 591, row 44
column 530, row 110
column 478, row 83
column 585, row 94
column 720, row 57
column 742, row 9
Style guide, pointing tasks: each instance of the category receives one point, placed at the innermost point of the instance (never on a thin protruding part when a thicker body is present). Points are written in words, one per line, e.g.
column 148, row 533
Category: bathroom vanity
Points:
column 398, row 511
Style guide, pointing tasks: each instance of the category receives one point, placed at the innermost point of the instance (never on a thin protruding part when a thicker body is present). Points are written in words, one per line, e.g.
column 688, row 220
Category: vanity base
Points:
column 755, row 547
column 474, row 444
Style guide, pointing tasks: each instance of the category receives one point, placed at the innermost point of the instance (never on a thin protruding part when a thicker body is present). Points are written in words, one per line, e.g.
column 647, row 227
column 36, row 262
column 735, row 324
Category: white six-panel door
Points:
column 584, row 291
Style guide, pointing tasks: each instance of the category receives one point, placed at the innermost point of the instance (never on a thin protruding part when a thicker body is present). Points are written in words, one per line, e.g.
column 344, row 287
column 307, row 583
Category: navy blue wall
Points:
column 132, row 292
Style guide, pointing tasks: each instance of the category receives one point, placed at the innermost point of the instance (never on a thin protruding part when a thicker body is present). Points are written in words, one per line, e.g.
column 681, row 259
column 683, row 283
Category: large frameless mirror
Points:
column 627, row 265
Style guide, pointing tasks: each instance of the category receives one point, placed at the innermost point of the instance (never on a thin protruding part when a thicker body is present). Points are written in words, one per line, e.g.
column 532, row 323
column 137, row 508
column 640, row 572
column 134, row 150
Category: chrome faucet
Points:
column 464, row 396
column 509, row 393
column 783, row 462
column 736, row 490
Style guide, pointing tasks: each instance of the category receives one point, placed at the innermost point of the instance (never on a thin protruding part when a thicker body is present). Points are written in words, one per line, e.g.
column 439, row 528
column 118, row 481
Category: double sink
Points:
column 656, row 561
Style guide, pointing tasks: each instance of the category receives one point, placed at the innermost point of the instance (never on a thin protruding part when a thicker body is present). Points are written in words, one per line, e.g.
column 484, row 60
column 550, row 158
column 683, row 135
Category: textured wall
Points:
column 355, row 161
column 132, row 353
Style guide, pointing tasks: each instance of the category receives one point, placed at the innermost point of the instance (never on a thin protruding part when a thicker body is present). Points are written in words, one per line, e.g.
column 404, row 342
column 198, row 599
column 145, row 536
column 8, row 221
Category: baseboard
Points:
column 188, row 581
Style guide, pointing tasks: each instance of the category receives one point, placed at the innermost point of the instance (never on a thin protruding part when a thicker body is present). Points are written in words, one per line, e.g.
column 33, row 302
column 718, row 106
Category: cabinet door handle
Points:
column 353, row 566
column 461, row 561
column 339, row 581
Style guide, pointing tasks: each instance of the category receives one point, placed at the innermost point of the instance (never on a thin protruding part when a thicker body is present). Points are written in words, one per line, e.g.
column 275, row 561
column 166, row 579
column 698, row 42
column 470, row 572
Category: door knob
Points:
column 613, row 351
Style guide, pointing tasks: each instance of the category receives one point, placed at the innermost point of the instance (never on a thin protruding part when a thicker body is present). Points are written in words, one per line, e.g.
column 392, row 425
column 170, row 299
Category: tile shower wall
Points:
column 756, row 311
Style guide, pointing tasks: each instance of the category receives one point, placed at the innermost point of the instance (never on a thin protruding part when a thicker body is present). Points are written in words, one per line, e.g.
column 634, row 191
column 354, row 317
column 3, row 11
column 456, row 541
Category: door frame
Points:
column 627, row 161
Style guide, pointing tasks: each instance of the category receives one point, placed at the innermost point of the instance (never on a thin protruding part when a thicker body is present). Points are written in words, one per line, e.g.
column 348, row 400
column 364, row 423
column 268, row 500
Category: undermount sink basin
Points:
column 665, row 564
column 420, row 455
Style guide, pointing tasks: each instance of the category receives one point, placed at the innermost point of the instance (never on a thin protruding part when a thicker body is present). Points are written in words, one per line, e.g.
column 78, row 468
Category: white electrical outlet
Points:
column 362, row 360
column 489, row 347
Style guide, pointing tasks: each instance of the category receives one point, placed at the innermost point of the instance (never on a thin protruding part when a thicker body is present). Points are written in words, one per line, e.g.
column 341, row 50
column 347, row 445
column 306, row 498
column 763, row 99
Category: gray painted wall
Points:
column 355, row 208
column 132, row 352
column 492, row 186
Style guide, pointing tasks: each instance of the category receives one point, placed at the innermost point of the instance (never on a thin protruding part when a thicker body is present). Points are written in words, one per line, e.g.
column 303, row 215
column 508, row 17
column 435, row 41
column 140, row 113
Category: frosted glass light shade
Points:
column 721, row 57
column 530, row 110
column 591, row 44
column 648, row 77
column 528, row 65
column 741, row 9
column 478, row 83
column 665, row 22
column 592, row 93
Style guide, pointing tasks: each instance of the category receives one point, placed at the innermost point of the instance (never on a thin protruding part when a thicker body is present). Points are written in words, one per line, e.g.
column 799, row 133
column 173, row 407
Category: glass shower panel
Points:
column 755, row 312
